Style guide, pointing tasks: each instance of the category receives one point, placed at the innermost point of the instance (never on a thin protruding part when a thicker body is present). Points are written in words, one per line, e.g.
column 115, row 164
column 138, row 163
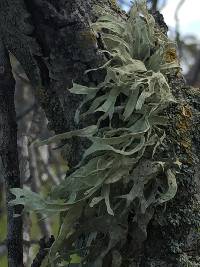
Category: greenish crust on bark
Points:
column 173, row 237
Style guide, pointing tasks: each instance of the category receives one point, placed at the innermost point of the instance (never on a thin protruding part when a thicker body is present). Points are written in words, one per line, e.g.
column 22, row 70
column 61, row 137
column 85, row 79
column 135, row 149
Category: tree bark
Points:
column 9, row 156
column 68, row 48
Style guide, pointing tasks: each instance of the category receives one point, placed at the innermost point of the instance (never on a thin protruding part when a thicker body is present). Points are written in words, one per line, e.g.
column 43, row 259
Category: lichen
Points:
column 170, row 55
column 183, row 125
column 123, row 176
column 114, row 5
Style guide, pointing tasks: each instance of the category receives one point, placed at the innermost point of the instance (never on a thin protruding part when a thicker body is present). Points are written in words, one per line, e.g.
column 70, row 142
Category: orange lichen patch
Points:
column 183, row 123
column 183, row 126
column 186, row 144
column 185, row 114
column 88, row 38
column 170, row 55
column 186, row 111
column 113, row 3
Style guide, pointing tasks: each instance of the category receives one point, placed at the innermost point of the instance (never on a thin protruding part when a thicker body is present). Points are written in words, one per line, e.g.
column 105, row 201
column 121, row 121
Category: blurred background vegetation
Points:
column 41, row 168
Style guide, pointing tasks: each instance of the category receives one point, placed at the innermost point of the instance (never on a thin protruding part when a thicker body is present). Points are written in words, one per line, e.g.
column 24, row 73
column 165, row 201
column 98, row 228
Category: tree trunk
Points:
column 68, row 48
column 9, row 156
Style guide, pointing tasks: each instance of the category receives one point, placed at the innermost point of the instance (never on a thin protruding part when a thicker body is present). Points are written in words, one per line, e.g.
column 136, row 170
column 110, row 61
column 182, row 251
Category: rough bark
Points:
column 173, row 236
column 55, row 48
column 9, row 156
column 67, row 48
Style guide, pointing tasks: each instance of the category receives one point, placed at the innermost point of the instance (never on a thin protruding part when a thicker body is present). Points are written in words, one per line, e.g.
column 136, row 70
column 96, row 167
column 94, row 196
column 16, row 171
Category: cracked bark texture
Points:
column 62, row 48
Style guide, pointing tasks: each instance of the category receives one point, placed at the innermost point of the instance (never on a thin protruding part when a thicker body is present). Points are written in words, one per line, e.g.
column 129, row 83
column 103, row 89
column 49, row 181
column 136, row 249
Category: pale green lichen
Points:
column 114, row 176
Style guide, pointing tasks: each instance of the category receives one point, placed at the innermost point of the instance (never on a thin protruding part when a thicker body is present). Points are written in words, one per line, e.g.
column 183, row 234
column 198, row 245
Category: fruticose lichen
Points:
column 118, row 183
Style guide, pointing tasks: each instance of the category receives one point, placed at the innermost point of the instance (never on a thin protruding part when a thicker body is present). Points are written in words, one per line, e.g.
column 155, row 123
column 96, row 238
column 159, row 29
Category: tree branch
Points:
column 43, row 251
column 154, row 5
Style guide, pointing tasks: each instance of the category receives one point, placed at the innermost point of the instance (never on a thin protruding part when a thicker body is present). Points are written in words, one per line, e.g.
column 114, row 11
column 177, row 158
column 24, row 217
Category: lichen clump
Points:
column 117, row 175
